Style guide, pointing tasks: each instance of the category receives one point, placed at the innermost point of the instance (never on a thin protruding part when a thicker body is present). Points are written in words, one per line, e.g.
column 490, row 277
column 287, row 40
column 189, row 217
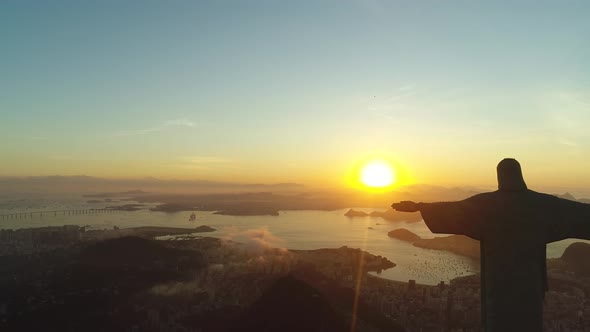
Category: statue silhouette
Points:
column 513, row 225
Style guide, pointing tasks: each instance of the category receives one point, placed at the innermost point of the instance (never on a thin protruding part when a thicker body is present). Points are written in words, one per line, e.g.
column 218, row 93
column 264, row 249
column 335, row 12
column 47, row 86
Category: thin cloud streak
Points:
column 179, row 123
column 165, row 125
column 205, row 163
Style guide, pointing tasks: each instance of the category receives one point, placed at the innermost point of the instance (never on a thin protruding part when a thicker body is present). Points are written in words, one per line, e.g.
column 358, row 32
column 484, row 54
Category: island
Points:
column 173, row 207
column 355, row 213
column 254, row 211
column 403, row 234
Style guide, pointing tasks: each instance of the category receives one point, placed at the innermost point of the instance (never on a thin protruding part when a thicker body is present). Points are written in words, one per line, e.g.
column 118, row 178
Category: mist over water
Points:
column 291, row 229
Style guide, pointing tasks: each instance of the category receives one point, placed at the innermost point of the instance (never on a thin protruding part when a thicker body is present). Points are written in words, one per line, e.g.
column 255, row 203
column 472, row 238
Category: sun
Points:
column 377, row 174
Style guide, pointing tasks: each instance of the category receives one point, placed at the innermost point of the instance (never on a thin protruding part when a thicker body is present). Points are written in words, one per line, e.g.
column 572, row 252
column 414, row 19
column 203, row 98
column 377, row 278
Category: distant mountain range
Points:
column 572, row 198
column 279, row 196
column 90, row 184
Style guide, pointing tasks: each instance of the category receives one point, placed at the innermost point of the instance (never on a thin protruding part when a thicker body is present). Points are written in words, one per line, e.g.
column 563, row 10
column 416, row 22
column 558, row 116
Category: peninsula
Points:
column 457, row 244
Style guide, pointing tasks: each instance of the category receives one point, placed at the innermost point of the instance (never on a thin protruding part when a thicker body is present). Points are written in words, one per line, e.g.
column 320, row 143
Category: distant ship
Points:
column 193, row 217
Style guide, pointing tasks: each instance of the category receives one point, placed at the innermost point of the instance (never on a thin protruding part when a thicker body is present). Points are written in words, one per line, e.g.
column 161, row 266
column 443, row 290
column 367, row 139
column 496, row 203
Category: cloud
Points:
column 179, row 123
column 256, row 240
column 565, row 114
column 61, row 157
column 208, row 160
column 407, row 87
column 204, row 163
column 135, row 132
column 262, row 248
column 161, row 127
column 385, row 106
column 567, row 142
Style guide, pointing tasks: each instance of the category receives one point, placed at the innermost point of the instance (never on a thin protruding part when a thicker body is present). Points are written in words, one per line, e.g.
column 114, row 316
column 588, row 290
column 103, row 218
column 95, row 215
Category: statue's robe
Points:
column 513, row 228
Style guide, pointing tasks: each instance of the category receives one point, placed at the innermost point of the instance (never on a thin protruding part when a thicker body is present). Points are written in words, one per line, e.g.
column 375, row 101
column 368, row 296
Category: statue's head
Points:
column 510, row 176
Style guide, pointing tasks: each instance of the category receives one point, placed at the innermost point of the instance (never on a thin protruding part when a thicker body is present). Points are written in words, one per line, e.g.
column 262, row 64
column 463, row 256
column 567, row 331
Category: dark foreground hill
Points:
column 291, row 305
column 138, row 284
column 85, row 287
column 307, row 301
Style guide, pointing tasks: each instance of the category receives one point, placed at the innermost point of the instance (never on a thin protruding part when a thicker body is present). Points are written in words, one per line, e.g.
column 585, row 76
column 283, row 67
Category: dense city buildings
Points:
column 138, row 284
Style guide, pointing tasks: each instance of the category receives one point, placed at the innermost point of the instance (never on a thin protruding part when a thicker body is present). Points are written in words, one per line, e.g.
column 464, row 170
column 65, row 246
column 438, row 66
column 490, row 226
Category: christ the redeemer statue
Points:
column 513, row 225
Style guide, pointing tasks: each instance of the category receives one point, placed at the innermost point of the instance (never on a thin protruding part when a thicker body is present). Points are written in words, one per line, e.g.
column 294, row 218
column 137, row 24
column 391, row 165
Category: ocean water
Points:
column 291, row 229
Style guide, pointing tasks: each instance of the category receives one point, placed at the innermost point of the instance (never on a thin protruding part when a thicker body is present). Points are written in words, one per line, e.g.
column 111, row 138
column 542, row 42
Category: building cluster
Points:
column 237, row 275
column 456, row 307
column 30, row 241
column 413, row 306
column 567, row 312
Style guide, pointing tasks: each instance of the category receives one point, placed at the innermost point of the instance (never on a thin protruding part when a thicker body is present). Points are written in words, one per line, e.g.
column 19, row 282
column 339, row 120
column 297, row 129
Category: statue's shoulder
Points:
column 539, row 195
column 483, row 196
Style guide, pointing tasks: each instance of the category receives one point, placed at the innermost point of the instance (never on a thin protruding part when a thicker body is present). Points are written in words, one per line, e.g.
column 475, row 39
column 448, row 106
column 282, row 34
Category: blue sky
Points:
column 278, row 91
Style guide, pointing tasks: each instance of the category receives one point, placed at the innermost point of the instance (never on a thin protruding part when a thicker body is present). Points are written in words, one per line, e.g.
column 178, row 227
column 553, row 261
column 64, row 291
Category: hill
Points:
column 576, row 256
column 355, row 213
column 291, row 305
column 403, row 234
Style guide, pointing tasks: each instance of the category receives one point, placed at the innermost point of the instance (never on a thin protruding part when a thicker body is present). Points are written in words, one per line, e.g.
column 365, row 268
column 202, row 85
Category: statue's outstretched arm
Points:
column 446, row 217
column 406, row 206
column 572, row 220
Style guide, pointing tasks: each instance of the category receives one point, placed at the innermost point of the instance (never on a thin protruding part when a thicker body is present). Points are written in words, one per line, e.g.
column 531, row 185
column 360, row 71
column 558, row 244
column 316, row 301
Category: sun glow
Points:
column 377, row 174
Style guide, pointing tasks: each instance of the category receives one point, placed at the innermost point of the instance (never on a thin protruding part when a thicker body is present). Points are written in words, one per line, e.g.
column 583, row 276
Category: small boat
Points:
column 193, row 217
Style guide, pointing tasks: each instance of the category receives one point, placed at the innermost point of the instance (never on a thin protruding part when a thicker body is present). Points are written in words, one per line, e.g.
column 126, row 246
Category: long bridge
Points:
column 21, row 215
